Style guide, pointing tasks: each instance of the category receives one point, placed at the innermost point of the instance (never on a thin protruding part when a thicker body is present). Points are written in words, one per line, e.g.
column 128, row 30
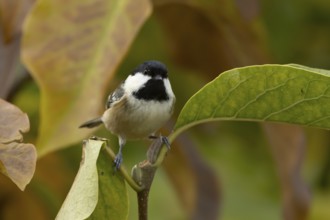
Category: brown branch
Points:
column 144, row 173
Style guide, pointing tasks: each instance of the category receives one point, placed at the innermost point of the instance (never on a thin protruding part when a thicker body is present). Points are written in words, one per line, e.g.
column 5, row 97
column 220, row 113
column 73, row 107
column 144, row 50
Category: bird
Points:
column 138, row 107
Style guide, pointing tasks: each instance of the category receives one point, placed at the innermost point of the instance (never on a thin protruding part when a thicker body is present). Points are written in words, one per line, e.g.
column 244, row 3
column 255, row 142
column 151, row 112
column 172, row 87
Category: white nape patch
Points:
column 134, row 82
column 168, row 88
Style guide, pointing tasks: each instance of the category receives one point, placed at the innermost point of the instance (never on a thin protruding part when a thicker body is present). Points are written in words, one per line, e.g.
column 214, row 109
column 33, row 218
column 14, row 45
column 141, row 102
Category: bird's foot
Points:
column 164, row 140
column 118, row 160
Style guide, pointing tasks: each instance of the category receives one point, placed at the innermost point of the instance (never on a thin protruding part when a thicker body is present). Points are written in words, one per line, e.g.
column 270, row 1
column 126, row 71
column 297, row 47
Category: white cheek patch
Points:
column 134, row 82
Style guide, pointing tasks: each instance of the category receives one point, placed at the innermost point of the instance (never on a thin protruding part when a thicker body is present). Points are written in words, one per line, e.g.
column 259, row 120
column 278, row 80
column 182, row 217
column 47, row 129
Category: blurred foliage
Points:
column 197, row 41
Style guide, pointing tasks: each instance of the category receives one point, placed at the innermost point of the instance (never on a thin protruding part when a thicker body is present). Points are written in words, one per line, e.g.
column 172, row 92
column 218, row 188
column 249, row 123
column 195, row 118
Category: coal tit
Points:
column 140, row 106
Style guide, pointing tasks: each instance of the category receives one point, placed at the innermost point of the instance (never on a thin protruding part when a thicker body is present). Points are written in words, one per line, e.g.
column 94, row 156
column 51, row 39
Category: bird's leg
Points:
column 119, row 157
column 164, row 140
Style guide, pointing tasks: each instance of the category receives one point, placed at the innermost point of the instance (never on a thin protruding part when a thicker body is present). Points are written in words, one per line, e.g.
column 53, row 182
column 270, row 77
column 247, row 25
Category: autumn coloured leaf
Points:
column 13, row 122
column 72, row 50
column 17, row 160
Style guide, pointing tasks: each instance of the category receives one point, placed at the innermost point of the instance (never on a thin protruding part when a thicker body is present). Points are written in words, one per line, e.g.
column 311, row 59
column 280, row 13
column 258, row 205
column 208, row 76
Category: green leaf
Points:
column 279, row 93
column 97, row 192
column 72, row 50
column 113, row 195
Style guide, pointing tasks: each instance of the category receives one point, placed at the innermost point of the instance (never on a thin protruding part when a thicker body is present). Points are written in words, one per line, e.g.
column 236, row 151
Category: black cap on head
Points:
column 152, row 68
column 154, row 88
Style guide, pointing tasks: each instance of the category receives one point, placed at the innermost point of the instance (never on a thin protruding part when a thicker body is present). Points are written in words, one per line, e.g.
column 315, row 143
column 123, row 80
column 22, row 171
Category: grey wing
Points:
column 115, row 96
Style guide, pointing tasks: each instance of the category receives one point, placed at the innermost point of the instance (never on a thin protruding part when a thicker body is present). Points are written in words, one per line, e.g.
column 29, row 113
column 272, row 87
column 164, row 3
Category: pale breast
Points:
column 133, row 118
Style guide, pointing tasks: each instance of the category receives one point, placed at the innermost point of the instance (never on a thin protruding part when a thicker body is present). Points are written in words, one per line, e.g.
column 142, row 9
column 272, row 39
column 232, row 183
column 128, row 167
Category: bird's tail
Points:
column 91, row 123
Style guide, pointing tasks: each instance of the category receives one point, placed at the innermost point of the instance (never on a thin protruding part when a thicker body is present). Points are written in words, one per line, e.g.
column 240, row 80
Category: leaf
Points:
column 72, row 49
column 113, row 195
column 17, row 160
column 13, row 122
column 82, row 198
column 279, row 93
column 96, row 192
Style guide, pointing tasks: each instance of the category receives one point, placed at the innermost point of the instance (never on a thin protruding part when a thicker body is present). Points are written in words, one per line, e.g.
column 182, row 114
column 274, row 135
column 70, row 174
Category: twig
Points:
column 144, row 173
column 143, row 204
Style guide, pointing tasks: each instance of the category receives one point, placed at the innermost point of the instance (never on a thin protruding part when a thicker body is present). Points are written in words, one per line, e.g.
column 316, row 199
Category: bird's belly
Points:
column 138, row 122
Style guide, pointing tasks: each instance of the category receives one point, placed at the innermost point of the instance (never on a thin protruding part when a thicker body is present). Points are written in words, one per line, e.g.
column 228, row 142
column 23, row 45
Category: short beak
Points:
column 158, row 77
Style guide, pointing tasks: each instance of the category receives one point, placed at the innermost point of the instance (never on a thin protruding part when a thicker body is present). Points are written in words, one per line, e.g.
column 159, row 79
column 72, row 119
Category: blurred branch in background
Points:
column 12, row 15
column 195, row 182
column 288, row 146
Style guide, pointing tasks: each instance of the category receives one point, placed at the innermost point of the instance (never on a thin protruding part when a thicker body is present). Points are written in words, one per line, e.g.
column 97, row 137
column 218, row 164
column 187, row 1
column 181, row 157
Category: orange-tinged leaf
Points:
column 17, row 160
column 12, row 122
column 72, row 49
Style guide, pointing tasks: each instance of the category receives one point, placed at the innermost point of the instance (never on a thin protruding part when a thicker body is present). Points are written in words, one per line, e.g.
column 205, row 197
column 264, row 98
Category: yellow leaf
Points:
column 72, row 48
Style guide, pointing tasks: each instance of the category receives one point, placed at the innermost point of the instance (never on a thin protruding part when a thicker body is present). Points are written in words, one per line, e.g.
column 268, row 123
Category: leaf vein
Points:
column 213, row 115
column 318, row 120
column 260, row 95
column 293, row 105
